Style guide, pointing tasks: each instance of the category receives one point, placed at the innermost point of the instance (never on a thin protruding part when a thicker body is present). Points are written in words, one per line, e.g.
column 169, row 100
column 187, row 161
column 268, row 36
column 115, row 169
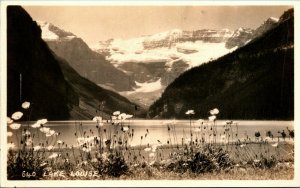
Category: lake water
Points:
column 154, row 130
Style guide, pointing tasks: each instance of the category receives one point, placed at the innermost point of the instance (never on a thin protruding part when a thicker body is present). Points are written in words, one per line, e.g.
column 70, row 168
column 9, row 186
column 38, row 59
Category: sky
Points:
column 96, row 23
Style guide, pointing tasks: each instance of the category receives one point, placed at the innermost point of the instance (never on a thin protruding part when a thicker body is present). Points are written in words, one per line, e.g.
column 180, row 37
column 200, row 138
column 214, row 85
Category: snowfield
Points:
column 193, row 53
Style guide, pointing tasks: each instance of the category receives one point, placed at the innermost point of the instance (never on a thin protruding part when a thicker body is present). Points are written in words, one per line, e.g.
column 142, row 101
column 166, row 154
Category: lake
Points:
column 154, row 130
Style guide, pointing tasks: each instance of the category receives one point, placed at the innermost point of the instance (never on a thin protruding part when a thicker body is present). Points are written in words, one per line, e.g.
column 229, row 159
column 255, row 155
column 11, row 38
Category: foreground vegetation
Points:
column 107, row 152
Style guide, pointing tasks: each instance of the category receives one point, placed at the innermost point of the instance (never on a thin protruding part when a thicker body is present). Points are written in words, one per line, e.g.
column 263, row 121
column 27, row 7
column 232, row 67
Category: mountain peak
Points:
column 273, row 19
column 52, row 32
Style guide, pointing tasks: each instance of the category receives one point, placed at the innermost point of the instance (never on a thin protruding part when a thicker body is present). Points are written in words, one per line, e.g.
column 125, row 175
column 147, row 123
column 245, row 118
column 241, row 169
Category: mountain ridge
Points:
column 254, row 82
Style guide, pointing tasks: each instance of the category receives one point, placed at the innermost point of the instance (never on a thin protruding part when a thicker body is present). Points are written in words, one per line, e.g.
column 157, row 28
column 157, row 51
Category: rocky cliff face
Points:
column 36, row 74
column 86, row 62
column 33, row 74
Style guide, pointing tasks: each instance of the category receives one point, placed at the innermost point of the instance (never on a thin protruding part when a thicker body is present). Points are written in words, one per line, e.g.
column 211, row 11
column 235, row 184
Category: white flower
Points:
column 11, row 146
column 275, row 144
column 44, row 130
column 94, row 160
column 214, row 111
column 9, row 134
column 36, row 125
column 17, row 115
column 97, row 119
column 86, row 149
column 36, row 148
column 147, row 149
column 190, row 112
column 81, row 141
column 116, row 113
column 154, row 147
column 42, row 121
column 125, row 129
column 50, row 133
column 28, row 142
column 151, row 154
column 9, row 120
column 15, row 126
column 242, row 145
column 128, row 116
column 49, row 148
column 122, row 116
column 26, row 133
column 26, row 105
column 212, row 118
column 54, row 155
column 59, row 141
column 256, row 160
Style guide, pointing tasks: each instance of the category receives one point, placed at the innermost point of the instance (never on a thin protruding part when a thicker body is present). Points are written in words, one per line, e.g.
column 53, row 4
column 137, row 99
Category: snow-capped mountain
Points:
column 85, row 61
column 158, row 59
column 51, row 32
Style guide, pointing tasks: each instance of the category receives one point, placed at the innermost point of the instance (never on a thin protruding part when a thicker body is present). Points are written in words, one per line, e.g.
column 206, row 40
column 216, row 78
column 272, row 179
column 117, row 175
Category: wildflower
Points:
column 154, row 147
column 42, row 121
column 54, row 155
column 94, row 160
column 26, row 133
column 268, row 138
column 36, row 148
column 212, row 118
column 17, row 115
column 242, row 145
column 125, row 129
column 35, row 125
column 122, row 116
column 275, row 144
column 9, row 134
column 81, row 141
column 15, row 126
column 9, row 120
column 214, row 111
column 25, row 105
column 44, row 129
column 256, row 160
column 151, row 155
column 10, row 146
column 59, row 142
column 97, row 118
column 190, row 112
column 116, row 113
column 49, row 148
column 50, row 133
column 29, row 142
column 147, row 149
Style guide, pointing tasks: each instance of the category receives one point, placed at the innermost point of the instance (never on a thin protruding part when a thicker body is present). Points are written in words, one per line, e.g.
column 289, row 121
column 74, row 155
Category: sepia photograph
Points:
column 187, row 92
